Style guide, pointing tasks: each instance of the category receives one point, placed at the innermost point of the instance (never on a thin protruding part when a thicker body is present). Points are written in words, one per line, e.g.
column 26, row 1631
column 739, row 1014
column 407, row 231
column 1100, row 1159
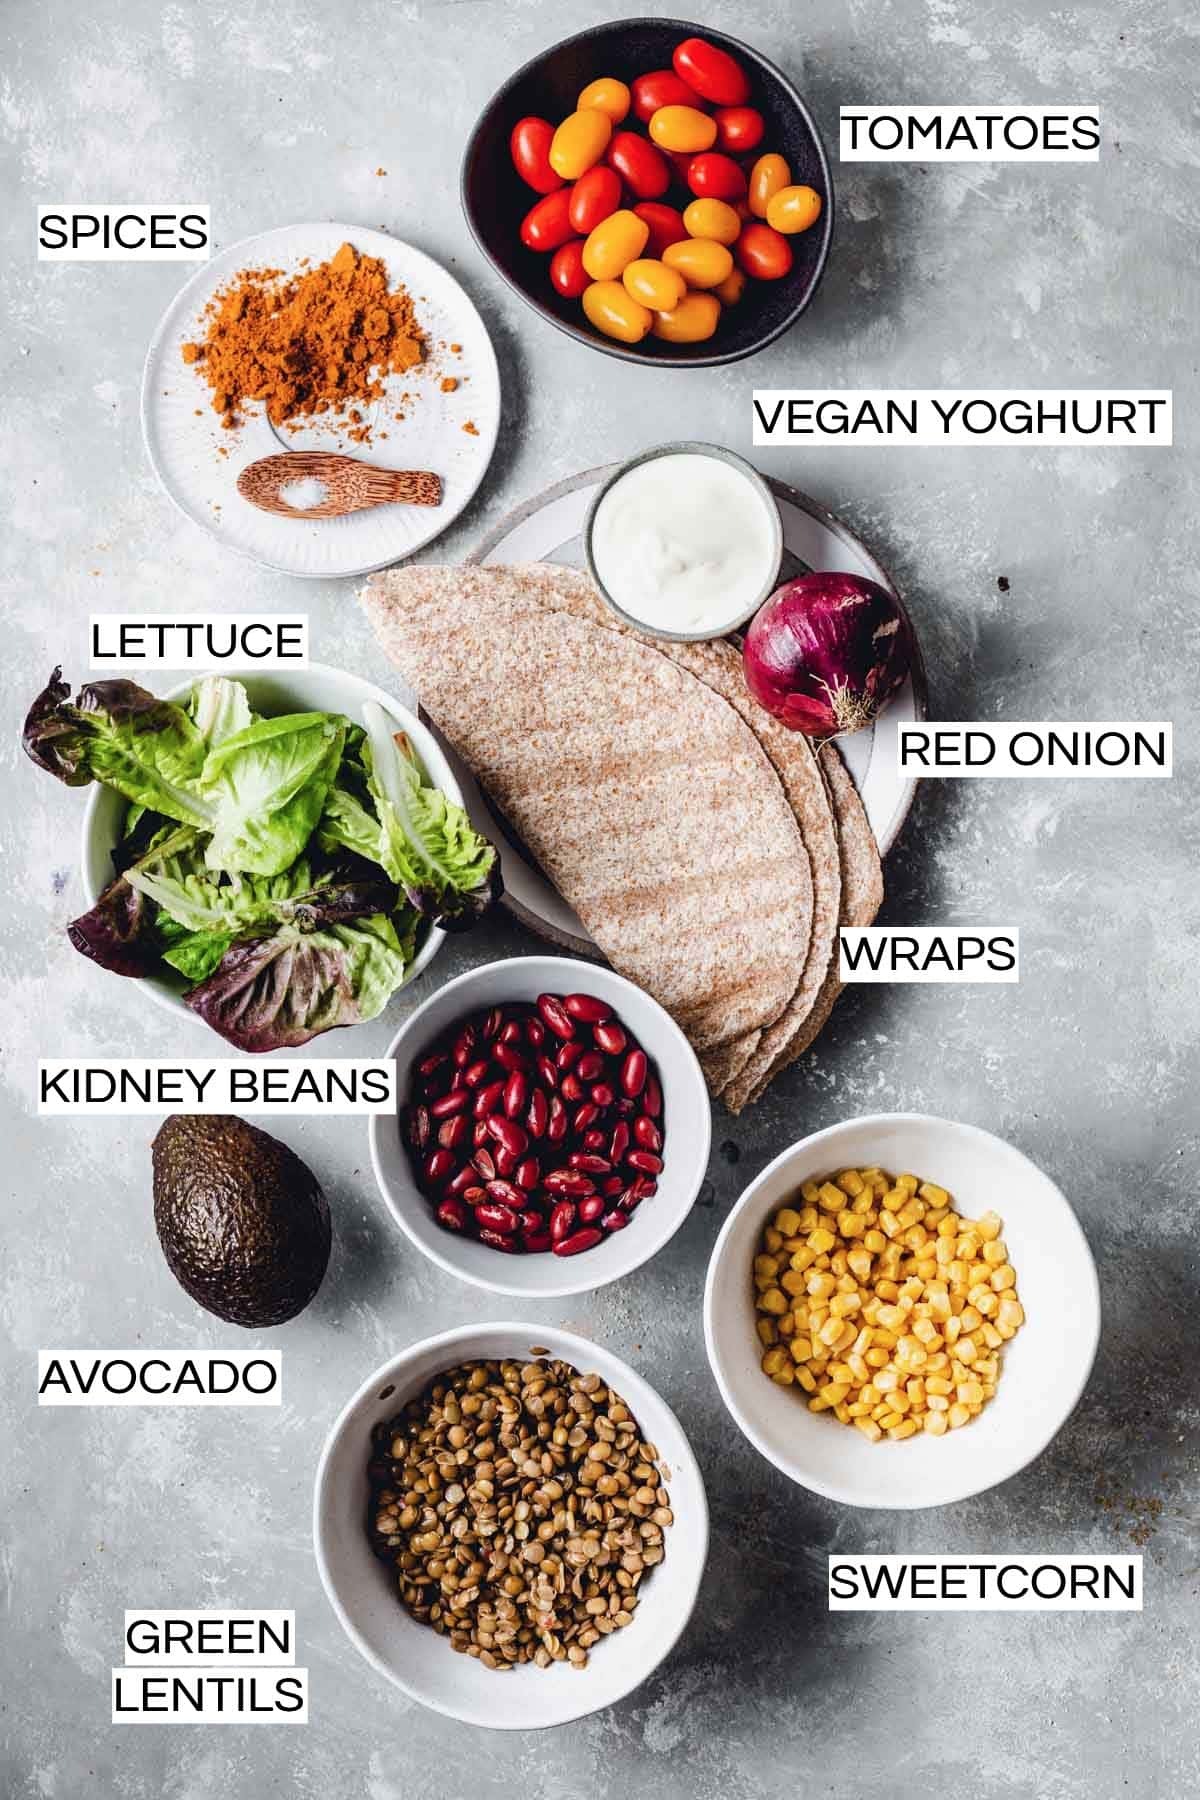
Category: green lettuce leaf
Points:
column 219, row 708
column 267, row 786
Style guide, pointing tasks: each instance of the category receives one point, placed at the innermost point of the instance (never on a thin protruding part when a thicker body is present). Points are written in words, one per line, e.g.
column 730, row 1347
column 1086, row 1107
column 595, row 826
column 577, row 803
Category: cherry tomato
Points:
column 729, row 291
column 716, row 176
column 666, row 225
column 712, row 219
column 793, row 209
column 711, row 71
column 580, row 141
column 701, row 262
column 694, row 319
column 661, row 87
column 739, row 129
column 683, row 128
column 529, row 146
column 615, row 242
column 617, row 314
column 596, row 194
column 607, row 95
column 567, row 272
column 769, row 174
column 643, row 169
column 547, row 224
column 763, row 253
column 653, row 283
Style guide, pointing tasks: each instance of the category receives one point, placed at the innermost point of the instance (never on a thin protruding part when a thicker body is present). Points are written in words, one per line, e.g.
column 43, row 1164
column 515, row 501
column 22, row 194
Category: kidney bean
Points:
column 568, row 1183
column 560, row 1022
column 537, row 1242
column 532, row 1221
column 610, row 1038
column 556, row 1124
column 459, row 1079
column 516, row 1092
column 572, row 1088
column 590, row 1165
column 586, row 1239
column 509, row 1057
column 463, row 1181
column 647, row 1133
column 464, row 1044
column 646, row 1187
column 431, row 1065
column 496, row 1217
column 538, row 1114
column 453, row 1133
column 488, row 1098
column 644, row 1160
column 454, row 1102
column 506, row 1162
column 585, row 1115
column 473, row 1196
column 591, row 1208
column 511, row 1033
column 562, row 1219
column 498, row 1241
column 602, row 1094
column 439, row 1166
column 419, row 1127
column 477, row 1073
column 508, row 1134
column 593, row 1140
column 633, row 1073
column 652, row 1100
column 625, row 1108
column 548, row 1071
column 528, row 1174
column 493, row 1024
column 569, row 1055
column 535, row 1031
column 615, row 1220
column 630, row 1200
column 452, row 1215
column 587, row 1009
column 590, row 1065
column 507, row 1195
column 618, row 1144
column 479, row 1133
column 612, row 1185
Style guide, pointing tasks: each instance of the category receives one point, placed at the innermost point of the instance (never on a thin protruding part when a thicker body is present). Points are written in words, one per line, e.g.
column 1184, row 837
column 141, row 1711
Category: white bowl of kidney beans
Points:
column 554, row 1127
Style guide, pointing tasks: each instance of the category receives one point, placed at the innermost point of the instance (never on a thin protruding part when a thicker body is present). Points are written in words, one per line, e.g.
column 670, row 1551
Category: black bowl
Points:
column 495, row 199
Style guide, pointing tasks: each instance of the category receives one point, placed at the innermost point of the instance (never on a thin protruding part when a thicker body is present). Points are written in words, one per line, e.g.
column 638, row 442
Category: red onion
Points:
column 826, row 652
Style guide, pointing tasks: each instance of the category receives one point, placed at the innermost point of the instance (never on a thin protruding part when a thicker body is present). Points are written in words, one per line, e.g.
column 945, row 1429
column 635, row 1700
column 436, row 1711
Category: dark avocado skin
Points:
column 242, row 1223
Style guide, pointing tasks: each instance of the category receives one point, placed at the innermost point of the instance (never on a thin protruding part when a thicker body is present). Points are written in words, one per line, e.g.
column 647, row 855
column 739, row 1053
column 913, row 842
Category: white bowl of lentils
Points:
column 595, row 1525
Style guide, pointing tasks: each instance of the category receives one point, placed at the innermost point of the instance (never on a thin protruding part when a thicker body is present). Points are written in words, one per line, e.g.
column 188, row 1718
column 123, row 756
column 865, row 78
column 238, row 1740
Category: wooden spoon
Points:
column 350, row 486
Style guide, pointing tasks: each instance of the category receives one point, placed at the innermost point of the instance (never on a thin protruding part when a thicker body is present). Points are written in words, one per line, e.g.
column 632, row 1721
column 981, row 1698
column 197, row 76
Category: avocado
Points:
column 242, row 1223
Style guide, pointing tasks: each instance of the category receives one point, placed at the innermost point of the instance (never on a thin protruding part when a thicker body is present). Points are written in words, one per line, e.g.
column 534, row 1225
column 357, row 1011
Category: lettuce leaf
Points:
column 118, row 931
column 219, row 708
column 267, row 786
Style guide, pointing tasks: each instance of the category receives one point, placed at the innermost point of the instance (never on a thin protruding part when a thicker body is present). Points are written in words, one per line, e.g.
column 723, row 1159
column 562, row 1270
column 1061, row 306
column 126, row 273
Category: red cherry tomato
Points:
column 716, row 177
column 739, row 128
column 763, row 253
column 567, row 272
column 711, row 71
column 641, row 165
column 681, row 162
column 547, row 224
column 662, row 87
column 596, row 194
column 530, row 149
column 666, row 226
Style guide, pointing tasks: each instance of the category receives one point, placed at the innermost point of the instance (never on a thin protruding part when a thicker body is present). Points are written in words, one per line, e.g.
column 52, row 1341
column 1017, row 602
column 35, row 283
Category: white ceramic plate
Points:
column 687, row 1119
column 184, row 437
column 1044, row 1368
column 412, row 1655
column 313, row 688
column 549, row 529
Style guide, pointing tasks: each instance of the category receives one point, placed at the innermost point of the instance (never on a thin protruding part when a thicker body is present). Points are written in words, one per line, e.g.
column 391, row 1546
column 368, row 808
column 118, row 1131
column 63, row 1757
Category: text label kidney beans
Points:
column 527, row 1151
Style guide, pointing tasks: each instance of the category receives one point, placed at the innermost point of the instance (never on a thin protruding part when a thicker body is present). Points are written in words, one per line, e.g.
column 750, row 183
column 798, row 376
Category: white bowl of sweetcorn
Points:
column 920, row 1374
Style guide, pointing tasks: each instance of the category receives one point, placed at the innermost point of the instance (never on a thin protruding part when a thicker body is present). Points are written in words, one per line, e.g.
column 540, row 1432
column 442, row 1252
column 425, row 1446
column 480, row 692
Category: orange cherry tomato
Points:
column 661, row 87
column 701, row 262
column 547, row 224
column 580, row 141
column 614, row 243
column 694, row 319
column 793, row 209
column 739, row 129
column 644, row 170
column 567, row 273
column 595, row 195
column 729, row 291
column 716, row 176
column 767, row 177
column 711, row 71
column 665, row 222
column 614, row 312
column 529, row 147
column 763, row 253
column 712, row 219
column 606, row 95
column 653, row 283
column 683, row 128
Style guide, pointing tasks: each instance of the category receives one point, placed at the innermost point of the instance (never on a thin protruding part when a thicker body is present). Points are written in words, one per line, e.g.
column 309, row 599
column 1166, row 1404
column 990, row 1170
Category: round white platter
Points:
column 198, row 462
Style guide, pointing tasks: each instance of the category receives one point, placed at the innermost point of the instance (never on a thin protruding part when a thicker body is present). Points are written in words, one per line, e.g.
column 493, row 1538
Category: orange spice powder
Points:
column 322, row 341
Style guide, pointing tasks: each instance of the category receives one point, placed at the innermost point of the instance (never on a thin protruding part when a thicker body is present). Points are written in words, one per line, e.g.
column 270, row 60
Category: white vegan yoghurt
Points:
column 686, row 543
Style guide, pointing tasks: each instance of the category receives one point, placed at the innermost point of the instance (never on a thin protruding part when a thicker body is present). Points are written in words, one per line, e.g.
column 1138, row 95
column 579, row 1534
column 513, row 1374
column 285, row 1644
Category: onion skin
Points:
column 826, row 653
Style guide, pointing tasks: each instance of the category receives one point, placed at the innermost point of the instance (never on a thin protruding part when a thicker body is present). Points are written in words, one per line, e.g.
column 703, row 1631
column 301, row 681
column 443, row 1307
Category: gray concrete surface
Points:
column 965, row 274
